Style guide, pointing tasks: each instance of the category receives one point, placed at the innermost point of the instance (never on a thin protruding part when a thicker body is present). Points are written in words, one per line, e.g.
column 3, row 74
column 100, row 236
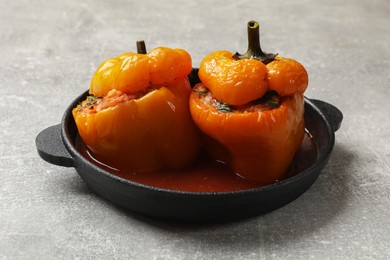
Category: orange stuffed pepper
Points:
column 250, row 108
column 137, row 115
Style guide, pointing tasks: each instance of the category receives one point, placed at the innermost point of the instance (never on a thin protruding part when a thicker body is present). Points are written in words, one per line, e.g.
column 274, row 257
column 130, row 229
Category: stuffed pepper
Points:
column 250, row 108
column 137, row 116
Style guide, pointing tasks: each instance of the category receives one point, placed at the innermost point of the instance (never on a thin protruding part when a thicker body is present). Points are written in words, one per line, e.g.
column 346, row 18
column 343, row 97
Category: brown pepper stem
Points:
column 254, row 49
column 141, row 47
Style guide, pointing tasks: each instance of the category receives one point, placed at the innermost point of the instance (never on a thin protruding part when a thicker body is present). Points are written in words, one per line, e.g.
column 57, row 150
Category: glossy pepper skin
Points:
column 251, row 112
column 138, row 118
column 237, row 82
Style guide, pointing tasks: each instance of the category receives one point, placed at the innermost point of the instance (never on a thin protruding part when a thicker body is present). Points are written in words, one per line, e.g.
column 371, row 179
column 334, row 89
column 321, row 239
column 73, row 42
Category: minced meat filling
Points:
column 269, row 101
column 114, row 97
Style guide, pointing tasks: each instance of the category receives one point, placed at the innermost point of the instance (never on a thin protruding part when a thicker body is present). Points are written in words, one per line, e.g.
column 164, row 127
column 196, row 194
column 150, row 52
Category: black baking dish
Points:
column 56, row 145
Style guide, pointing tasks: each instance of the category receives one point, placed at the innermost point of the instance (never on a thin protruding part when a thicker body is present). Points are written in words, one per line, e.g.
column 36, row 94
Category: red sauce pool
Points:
column 205, row 175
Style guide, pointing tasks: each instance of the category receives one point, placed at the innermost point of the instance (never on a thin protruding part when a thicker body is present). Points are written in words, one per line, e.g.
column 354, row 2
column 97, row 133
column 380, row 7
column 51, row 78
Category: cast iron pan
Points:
column 56, row 145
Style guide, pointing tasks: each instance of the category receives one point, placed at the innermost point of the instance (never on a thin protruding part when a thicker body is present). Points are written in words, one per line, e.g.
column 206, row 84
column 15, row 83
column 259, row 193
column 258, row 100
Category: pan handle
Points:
column 51, row 147
column 332, row 113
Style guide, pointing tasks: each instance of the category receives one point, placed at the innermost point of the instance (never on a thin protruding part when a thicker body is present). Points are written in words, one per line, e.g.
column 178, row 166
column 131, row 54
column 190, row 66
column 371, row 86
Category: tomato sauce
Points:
column 205, row 175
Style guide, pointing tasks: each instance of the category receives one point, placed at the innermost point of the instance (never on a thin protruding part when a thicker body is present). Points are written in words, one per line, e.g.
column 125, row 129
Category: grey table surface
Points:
column 49, row 50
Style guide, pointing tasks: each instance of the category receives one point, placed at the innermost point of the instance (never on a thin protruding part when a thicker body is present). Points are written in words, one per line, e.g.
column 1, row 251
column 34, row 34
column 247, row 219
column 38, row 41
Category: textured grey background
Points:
column 48, row 53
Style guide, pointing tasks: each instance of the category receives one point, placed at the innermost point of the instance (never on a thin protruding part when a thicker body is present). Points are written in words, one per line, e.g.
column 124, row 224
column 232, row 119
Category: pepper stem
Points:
column 141, row 47
column 254, row 49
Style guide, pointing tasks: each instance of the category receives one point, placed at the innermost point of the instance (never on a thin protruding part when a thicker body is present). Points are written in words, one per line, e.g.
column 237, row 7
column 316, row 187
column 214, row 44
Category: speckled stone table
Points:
column 49, row 51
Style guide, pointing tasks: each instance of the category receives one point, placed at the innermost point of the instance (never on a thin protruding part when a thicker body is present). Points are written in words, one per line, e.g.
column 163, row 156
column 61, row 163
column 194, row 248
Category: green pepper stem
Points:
column 141, row 47
column 254, row 49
